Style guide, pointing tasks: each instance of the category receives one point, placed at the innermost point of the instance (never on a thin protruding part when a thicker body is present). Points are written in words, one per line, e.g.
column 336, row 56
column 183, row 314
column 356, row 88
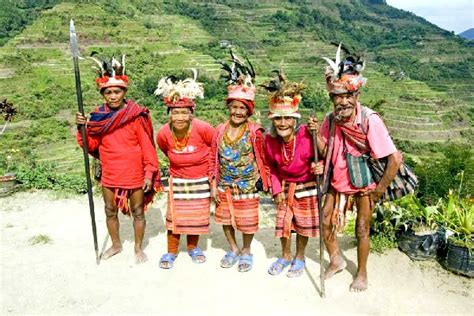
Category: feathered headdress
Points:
column 284, row 97
column 111, row 72
column 240, row 79
column 180, row 93
column 344, row 76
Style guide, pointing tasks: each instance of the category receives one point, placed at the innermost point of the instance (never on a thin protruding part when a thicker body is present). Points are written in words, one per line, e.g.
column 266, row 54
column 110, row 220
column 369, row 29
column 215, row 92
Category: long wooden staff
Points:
column 75, row 57
column 320, row 210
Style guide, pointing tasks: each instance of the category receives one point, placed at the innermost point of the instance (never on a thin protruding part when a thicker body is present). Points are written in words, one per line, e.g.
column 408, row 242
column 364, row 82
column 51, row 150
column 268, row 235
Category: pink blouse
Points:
column 299, row 169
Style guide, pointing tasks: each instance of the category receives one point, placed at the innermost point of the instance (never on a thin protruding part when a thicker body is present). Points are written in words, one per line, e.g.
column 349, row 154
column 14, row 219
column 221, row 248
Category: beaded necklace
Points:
column 288, row 151
column 180, row 143
column 230, row 142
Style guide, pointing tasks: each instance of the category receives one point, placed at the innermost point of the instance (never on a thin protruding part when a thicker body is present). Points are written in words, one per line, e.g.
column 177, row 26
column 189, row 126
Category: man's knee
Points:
column 110, row 211
column 138, row 214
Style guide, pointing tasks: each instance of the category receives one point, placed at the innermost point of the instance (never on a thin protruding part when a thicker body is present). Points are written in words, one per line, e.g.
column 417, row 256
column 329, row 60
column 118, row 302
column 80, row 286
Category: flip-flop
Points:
column 195, row 254
column 296, row 269
column 278, row 266
column 245, row 263
column 168, row 258
column 229, row 259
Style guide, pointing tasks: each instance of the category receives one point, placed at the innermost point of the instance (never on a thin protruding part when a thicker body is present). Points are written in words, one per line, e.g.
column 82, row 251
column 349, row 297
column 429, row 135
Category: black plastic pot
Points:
column 460, row 259
column 420, row 247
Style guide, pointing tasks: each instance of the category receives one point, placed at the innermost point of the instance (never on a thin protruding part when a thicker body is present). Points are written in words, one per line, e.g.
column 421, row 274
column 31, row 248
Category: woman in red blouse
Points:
column 186, row 142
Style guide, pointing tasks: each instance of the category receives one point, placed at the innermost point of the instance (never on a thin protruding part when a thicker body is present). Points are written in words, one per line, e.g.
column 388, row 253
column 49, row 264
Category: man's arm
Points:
column 393, row 163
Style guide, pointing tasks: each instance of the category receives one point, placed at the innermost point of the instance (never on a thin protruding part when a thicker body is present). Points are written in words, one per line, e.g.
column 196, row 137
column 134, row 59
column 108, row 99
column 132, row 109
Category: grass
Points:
column 40, row 239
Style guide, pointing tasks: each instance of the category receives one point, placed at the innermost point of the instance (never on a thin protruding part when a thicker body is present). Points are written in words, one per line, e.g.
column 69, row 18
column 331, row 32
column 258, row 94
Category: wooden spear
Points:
column 75, row 57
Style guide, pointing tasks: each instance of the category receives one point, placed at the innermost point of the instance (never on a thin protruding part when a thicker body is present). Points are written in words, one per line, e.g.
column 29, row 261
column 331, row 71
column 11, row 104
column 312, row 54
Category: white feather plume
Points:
column 335, row 64
column 187, row 88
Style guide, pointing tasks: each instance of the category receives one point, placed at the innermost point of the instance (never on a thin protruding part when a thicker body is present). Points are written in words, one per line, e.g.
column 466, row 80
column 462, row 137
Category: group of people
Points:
column 231, row 163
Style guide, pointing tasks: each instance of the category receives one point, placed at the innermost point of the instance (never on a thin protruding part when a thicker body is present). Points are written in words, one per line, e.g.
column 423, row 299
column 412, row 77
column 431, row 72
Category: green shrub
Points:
column 437, row 176
column 45, row 177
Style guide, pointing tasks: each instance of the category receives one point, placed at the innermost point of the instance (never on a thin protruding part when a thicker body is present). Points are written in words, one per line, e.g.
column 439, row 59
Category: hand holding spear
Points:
column 75, row 57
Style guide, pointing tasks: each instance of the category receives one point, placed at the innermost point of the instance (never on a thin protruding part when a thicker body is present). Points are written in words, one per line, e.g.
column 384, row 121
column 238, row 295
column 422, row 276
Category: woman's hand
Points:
column 318, row 169
column 215, row 193
column 313, row 123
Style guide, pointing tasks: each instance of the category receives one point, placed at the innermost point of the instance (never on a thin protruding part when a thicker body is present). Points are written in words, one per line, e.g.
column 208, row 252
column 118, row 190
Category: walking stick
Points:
column 75, row 57
column 320, row 210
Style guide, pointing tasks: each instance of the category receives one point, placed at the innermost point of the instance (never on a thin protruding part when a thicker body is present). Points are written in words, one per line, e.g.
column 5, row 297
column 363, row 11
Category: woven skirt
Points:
column 240, row 211
column 189, row 205
column 299, row 212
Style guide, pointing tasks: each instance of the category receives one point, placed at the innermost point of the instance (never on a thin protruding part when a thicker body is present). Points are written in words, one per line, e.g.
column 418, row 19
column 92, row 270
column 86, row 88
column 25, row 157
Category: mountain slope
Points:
column 420, row 77
column 468, row 34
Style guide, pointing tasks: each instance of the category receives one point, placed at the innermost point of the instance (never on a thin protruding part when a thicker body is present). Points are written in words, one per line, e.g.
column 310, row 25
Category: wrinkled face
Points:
column 238, row 112
column 284, row 127
column 114, row 96
column 180, row 118
column 344, row 104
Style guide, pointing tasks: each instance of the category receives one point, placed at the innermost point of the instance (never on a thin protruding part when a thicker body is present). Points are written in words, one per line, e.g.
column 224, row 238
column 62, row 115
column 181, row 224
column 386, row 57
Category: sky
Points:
column 451, row 15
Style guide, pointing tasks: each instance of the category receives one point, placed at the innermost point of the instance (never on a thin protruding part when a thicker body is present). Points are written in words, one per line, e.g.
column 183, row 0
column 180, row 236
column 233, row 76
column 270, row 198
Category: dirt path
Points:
column 61, row 277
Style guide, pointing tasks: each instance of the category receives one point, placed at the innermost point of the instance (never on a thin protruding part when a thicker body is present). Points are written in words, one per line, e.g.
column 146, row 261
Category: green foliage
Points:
column 381, row 243
column 457, row 215
column 386, row 220
column 416, row 216
column 45, row 176
column 315, row 99
column 437, row 176
column 16, row 15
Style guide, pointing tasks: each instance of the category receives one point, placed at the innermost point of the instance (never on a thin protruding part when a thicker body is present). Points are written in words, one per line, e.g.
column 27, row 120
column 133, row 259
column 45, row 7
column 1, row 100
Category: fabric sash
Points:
column 103, row 121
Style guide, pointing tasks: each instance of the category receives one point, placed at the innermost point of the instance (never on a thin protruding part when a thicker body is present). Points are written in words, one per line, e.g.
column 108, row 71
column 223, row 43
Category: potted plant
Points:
column 420, row 236
column 458, row 218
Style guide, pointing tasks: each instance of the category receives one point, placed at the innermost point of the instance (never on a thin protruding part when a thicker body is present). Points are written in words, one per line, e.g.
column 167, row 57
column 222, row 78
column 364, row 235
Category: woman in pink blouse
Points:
column 290, row 155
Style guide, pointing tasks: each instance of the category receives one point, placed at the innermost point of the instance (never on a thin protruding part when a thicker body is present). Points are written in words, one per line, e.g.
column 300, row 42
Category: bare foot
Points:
column 336, row 265
column 359, row 284
column 140, row 257
column 112, row 251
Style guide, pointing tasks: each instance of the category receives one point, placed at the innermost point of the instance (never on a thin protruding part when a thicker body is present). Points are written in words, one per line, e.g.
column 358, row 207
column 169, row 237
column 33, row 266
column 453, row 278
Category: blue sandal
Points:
column 167, row 258
column 245, row 263
column 197, row 255
column 296, row 269
column 229, row 259
column 278, row 266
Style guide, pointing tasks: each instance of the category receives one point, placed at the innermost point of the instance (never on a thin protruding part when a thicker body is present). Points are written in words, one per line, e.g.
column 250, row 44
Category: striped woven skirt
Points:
column 240, row 211
column 189, row 204
column 299, row 211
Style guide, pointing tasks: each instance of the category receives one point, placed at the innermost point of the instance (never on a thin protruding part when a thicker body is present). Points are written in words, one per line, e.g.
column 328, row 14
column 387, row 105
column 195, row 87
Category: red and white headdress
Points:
column 180, row 93
column 344, row 76
column 284, row 96
column 111, row 73
column 240, row 79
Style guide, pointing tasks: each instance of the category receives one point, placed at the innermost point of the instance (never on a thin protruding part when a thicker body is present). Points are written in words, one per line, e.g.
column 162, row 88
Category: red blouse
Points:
column 127, row 155
column 193, row 161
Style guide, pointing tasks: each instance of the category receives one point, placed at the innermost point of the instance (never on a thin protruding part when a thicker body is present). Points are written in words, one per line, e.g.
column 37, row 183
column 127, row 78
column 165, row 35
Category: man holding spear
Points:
column 347, row 136
column 120, row 134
